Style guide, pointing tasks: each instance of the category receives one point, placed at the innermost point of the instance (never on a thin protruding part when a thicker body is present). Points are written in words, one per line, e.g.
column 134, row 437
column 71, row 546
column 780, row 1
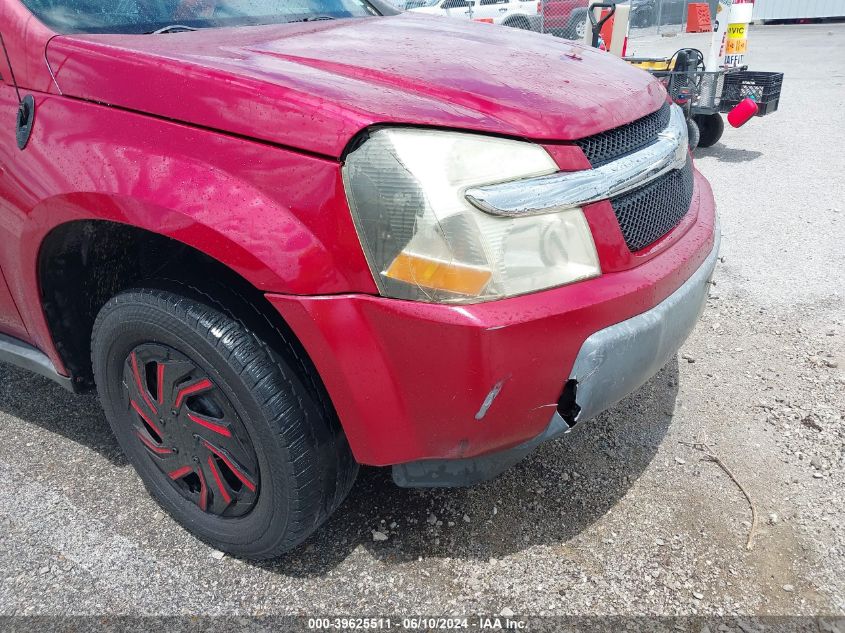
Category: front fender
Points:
column 276, row 217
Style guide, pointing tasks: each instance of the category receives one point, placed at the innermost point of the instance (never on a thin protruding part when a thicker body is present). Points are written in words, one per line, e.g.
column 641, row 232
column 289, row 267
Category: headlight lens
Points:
column 425, row 242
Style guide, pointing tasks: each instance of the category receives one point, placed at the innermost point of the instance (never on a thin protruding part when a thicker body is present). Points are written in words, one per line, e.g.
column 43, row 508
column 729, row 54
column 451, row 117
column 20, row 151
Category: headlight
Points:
column 425, row 242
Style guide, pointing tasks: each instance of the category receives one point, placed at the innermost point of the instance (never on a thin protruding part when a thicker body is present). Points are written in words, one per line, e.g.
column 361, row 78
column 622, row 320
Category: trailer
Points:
column 703, row 94
column 766, row 10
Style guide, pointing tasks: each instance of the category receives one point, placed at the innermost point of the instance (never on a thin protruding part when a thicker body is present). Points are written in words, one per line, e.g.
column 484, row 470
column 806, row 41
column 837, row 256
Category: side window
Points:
column 489, row 2
column 454, row 4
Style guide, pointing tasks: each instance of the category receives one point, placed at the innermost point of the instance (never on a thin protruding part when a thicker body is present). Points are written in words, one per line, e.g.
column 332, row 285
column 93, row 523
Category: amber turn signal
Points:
column 438, row 275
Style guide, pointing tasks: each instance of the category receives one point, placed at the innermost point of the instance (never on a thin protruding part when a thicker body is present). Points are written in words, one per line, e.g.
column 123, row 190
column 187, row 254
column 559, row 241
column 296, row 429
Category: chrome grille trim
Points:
column 569, row 190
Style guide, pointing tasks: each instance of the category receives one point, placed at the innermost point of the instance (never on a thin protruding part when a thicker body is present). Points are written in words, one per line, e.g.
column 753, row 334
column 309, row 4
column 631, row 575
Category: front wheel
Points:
column 519, row 22
column 712, row 126
column 578, row 25
column 694, row 134
column 643, row 18
column 228, row 434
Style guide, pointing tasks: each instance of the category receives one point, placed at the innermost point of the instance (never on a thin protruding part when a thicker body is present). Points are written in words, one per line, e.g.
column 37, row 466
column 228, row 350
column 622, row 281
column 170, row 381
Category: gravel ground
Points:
column 622, row 516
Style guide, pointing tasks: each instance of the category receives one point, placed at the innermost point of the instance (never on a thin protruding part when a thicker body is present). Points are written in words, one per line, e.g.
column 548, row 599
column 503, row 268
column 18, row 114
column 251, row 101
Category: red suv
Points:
column 565, row 18
column 280, row 245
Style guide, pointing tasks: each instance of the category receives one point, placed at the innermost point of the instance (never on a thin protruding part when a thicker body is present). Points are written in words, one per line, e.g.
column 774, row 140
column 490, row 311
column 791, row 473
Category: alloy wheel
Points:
column 581, row 29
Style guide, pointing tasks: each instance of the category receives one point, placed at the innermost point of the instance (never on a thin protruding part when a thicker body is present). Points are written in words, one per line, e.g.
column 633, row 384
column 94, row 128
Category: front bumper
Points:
column 414, row 381
column 611, row 364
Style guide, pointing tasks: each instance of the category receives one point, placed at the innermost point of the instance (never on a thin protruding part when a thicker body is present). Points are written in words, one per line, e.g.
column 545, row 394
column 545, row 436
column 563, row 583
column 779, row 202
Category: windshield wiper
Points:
column 313, row 18
column 172, row 28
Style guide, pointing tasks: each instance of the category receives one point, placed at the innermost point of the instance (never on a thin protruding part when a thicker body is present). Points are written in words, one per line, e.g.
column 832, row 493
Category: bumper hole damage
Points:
column 567, row 407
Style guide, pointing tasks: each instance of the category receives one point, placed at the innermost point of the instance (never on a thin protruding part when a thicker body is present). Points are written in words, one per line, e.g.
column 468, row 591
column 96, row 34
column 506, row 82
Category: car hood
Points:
column 314, row 85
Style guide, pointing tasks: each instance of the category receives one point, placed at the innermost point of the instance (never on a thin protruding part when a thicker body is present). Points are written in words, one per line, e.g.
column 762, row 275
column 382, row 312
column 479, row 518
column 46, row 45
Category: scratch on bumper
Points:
column 485, row 406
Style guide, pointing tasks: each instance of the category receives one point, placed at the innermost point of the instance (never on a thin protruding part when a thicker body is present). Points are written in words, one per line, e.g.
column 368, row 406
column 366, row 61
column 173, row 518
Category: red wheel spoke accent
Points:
column 218, row 480
column 144, row 394
column 160, row 381
column 146, row 418
column 159, row 450
column 181, row 472
column 190, row 430
column 184, row 392
column 213, row 426
column 236, row 469
column 203, row 500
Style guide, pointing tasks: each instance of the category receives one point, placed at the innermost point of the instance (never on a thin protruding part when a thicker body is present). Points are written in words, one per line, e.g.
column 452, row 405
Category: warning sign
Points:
column 737, row 31
column 736, row 44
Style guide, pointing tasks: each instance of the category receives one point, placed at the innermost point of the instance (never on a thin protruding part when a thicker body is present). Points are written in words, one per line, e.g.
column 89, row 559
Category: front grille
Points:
column 650, row 212
column 612, row 144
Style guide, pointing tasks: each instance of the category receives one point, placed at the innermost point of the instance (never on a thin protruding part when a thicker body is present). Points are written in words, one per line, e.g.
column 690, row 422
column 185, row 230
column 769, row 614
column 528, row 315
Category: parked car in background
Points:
column 277, row 252
column 521, row 14
column 568, row 18
column 565, row 18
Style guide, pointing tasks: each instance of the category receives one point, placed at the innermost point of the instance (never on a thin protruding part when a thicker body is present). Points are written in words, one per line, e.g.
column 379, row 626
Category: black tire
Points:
column 304, row 465
column 519, row 22
column 643, row 18
column 577, row 22
column 712, row 127
column 694, row 134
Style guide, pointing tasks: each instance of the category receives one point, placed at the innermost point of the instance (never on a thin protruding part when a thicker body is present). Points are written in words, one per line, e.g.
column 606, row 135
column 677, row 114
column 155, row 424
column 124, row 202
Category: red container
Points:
column 744, row 111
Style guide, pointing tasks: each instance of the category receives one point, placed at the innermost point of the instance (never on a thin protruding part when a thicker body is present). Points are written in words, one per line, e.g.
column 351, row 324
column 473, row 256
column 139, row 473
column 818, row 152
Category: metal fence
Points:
column 662, row 17
column 561, row 18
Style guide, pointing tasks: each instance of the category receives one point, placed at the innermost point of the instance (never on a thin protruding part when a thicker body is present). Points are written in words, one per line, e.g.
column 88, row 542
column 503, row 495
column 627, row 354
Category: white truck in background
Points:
column 521, row 14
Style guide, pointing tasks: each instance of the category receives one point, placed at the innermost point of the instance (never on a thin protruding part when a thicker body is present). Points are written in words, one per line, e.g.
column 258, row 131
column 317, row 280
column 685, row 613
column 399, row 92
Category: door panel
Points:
column 456, row 9
column 10, row 221
column 491, row 10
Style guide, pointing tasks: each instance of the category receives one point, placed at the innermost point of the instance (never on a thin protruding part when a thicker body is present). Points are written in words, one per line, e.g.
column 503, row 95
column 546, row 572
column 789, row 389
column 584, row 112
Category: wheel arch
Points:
column 577, row 16
column 515, row 19
column 578, row 13
column 269, row 266
column 82, row 263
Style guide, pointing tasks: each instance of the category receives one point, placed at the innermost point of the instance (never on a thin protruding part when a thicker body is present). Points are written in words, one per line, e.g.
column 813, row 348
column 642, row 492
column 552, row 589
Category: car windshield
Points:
column 147, row 16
